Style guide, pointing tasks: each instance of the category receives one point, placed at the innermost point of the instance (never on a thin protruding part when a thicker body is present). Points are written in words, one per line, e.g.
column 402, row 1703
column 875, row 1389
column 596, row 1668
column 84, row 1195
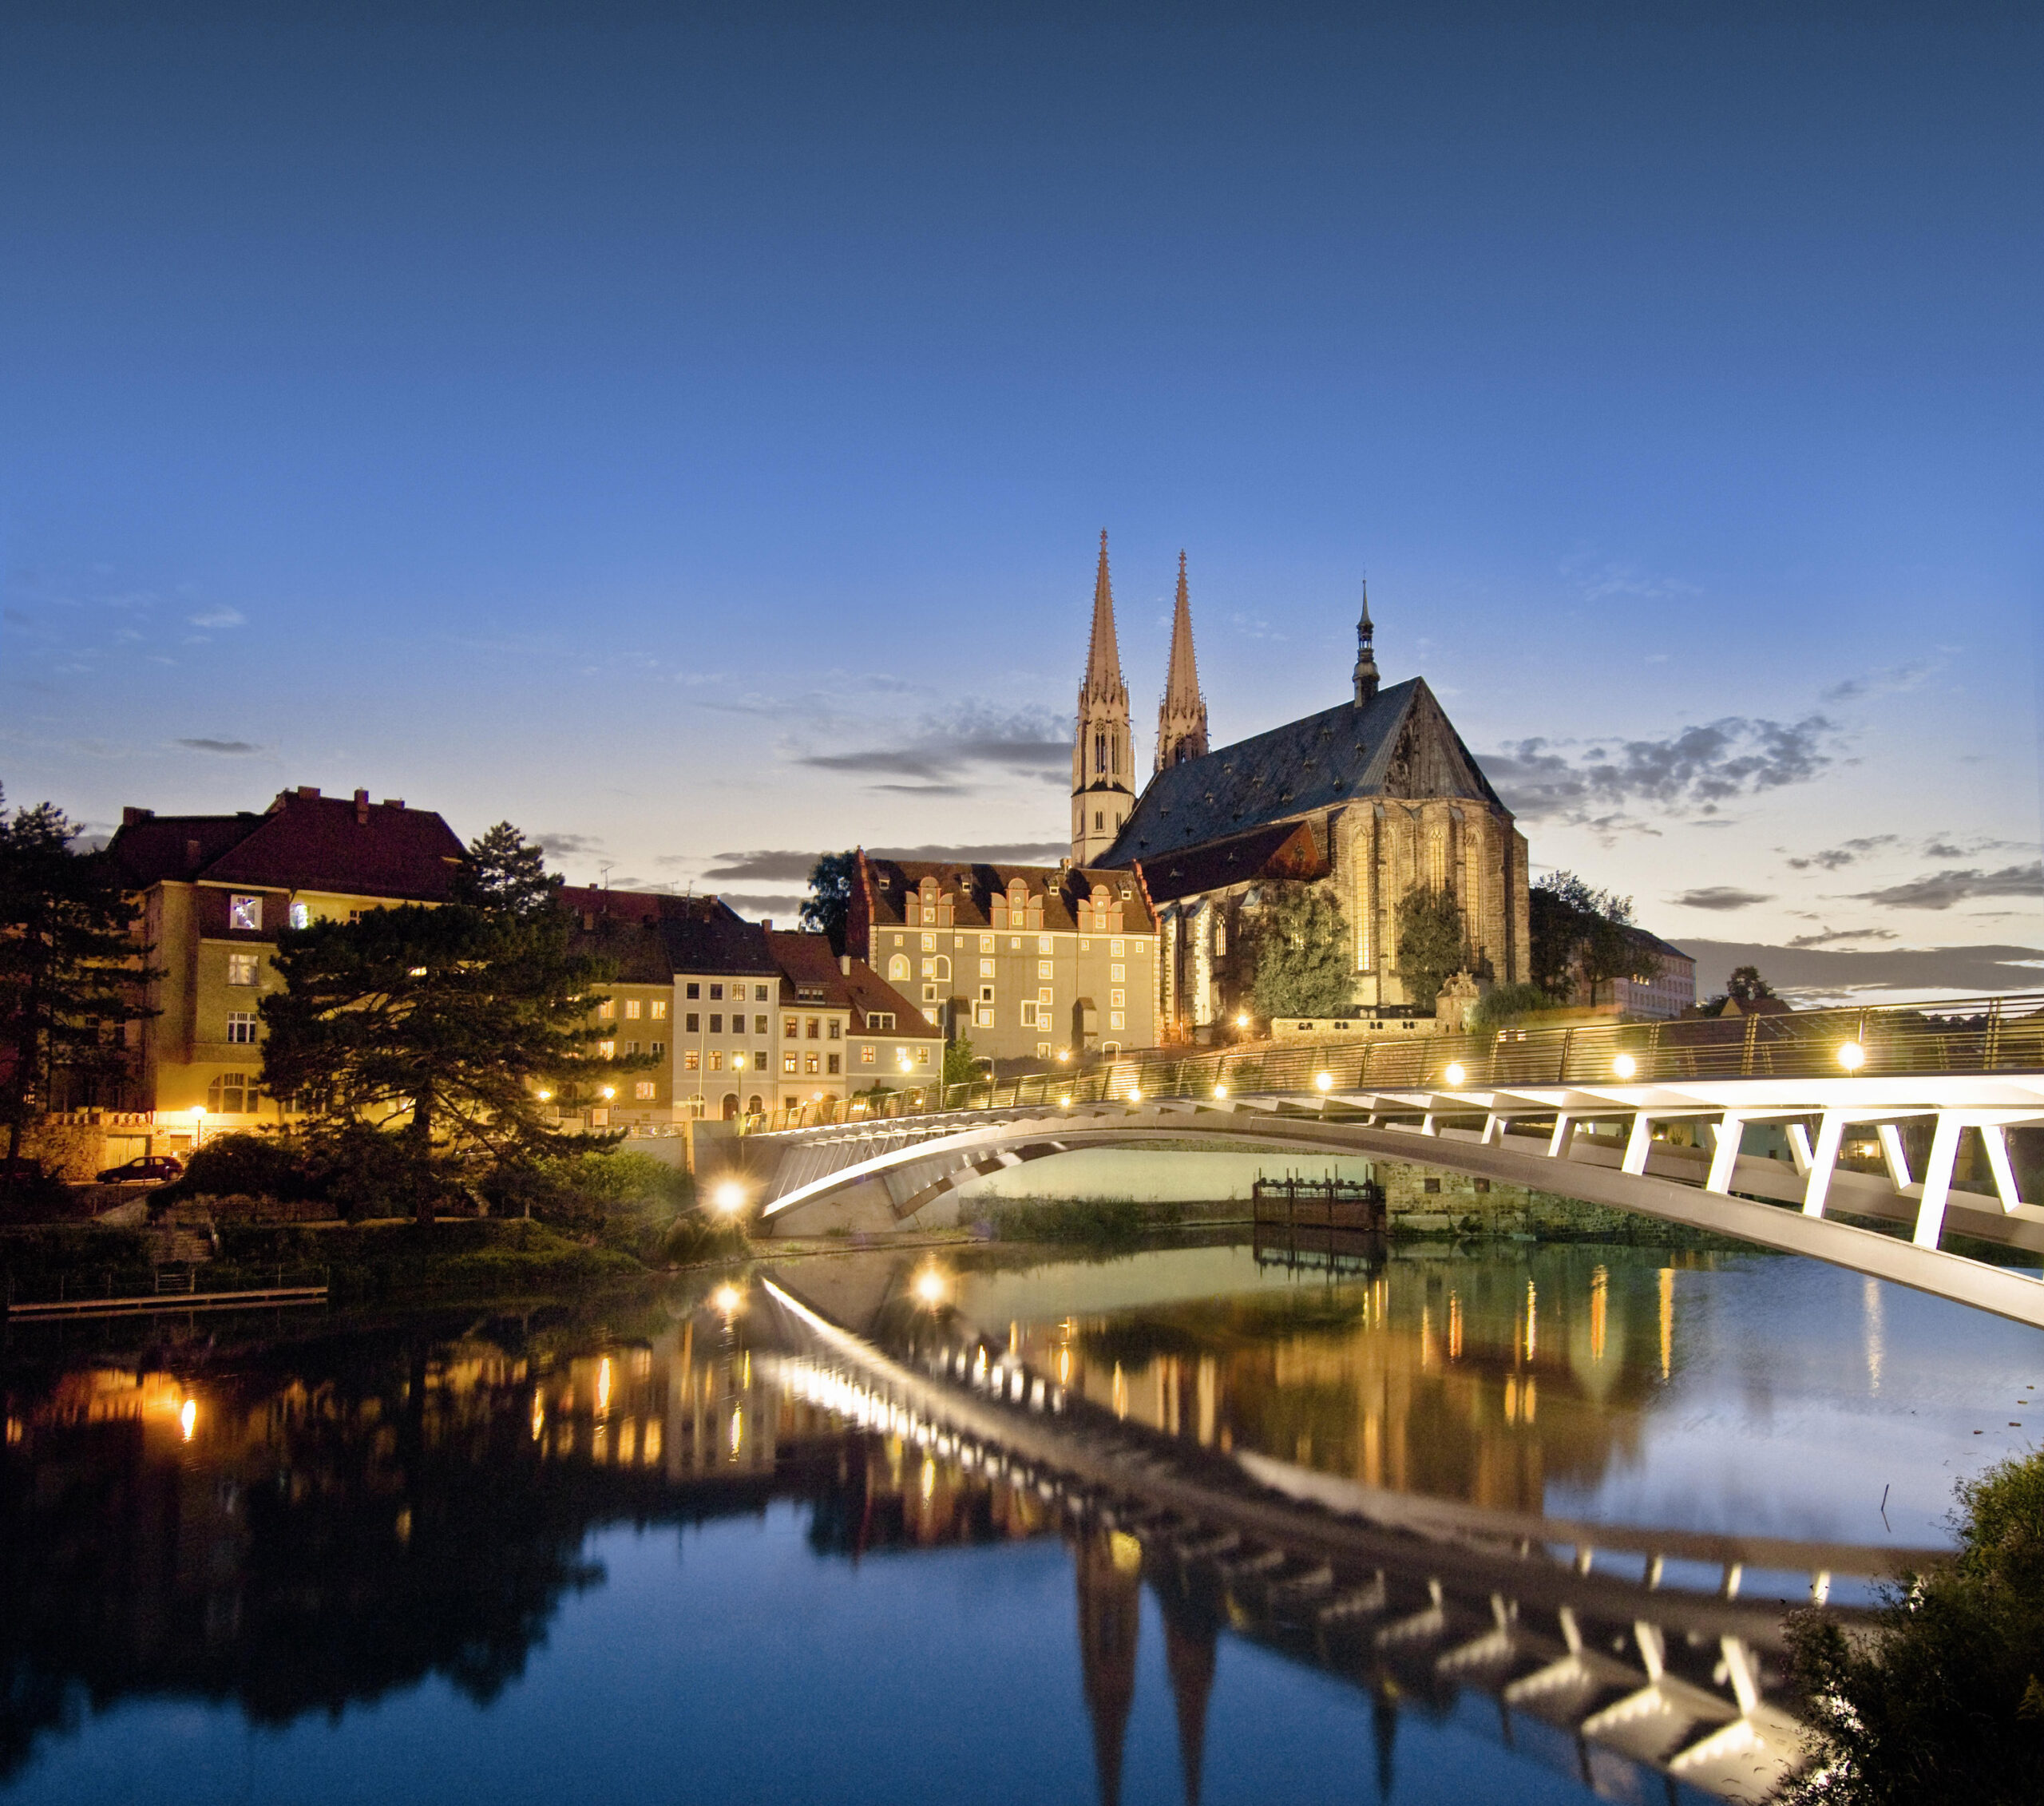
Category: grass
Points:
column 1097, row 1223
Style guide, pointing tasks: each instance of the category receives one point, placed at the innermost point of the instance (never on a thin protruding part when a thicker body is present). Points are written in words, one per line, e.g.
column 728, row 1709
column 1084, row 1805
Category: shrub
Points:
column 1098, row 1221
column 693, row 1237
column 1945, row 1701
column 1507, row 1006
column 251, row 1167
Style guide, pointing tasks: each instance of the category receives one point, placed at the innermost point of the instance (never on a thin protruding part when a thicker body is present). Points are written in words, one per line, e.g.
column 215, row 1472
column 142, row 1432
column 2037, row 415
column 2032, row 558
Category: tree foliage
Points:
column 432, row 1032
column 1507, row 1006
column 961, row 1065
column 1299, row 952
column 70, row 970
column 828, row 909
column 1432, row 945
column 1584, row 937
column 1946, row 1701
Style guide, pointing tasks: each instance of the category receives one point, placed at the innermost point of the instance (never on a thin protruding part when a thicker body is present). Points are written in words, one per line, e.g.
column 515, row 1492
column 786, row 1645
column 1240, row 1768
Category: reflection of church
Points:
column 1371, row 798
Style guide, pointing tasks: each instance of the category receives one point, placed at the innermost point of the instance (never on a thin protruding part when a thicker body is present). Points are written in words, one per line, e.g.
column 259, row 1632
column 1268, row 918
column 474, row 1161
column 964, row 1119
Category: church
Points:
column 1370, row 798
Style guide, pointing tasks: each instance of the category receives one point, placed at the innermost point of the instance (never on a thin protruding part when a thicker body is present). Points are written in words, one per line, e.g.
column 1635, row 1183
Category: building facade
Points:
column 1027, row 962
column 215, row 891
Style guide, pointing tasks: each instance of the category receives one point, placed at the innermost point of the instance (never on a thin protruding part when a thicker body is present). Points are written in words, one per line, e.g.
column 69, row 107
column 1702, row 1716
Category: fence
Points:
column 1997, row 1034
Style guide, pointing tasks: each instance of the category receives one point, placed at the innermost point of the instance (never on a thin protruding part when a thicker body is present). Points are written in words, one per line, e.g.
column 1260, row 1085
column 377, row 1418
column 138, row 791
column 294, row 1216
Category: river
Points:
column 611, row 1552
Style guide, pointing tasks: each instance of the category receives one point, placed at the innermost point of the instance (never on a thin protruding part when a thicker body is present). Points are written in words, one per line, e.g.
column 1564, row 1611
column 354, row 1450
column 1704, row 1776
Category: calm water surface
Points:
column 567, row 1557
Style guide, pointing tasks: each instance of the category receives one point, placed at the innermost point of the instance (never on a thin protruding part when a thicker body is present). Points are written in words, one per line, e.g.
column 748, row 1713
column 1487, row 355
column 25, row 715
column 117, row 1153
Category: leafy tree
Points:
column 433, row 1030
column 1431, row 944
column 1507, row 1005
column 1584, row 937
column 1946, row 1701
column 1747, row 986
column 1299, row 952
column 961, row 1066
column 829, row 907
column 70, row 970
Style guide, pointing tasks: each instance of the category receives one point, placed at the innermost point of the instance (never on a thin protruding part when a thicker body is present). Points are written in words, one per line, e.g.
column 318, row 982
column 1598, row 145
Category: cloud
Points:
column 218, row 617
column 1696, row 768
column 1598, row 581
column 1830, row 937
column 1719, row 896
column 1846, row 851
column 1029, row 743
column 762, row 864
column 768, row 864
column 783, row 906
column 1814, row 971
column 568, row 846
column 235, row 749
column 1878, row 684
column 1941, row 890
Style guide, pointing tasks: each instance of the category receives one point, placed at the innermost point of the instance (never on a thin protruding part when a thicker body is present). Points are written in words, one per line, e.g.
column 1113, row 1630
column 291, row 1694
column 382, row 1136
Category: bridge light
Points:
column 1134, row 1096
column 1624, row 1066
column 1852, row 1056
column 1457, row 1074
column 729, row 1197
column 1324, row 1080
column 1064, row 1103
column 930, row 1287
column 1220, row 1091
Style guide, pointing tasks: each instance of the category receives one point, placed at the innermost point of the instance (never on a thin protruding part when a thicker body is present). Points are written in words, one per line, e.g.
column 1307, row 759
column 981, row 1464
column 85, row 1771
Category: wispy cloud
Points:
column 1942, row 888
column 1599, row 580
column 1720, row 896
column 218, row 617
column 1888, row 682
column 1836, row 937
column 1810, row 973
column 1846, row 852
column 1027, row 742
column 232, row 749
column 1698, row 768
column 568, row 846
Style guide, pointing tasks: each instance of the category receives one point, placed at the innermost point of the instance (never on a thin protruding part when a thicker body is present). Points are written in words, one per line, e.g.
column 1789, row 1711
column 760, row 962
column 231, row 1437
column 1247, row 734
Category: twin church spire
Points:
column 1103, row 754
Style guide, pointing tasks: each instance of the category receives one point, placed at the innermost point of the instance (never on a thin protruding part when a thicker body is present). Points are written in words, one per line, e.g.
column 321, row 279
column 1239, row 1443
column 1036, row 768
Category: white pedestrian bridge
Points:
column 1877, row 1139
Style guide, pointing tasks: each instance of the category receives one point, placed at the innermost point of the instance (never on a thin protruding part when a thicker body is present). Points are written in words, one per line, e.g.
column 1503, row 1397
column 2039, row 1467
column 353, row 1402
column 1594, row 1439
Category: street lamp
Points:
column 729, row 1197
column 1220, row 1091
column 1324, row 1080
column 198, row 1126
column 1852, row 1056
column 1624, row 1066
column 1456, row 1073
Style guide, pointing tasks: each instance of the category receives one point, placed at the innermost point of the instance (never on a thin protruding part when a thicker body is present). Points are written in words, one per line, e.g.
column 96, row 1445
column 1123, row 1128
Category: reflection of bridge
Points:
column 1588, row 1630
column 1651, row 1118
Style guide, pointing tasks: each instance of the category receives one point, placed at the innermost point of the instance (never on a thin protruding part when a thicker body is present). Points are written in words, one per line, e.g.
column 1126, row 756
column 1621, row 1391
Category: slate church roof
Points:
column 1399, row 742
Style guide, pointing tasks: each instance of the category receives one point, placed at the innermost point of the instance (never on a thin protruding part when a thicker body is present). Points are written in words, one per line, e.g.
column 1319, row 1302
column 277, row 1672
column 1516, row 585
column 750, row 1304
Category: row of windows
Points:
column 656, row 1008
column 245, row 915
column 1117, row 946
column 694, row 991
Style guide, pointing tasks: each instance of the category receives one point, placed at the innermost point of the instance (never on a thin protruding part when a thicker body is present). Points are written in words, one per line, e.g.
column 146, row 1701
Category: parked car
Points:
column 20, row 1169
column 148, row 1169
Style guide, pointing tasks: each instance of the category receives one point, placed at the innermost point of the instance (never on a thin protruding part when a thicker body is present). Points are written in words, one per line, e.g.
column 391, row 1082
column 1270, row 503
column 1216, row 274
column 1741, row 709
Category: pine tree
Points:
column 437, row 1029
column 71, row 972
column 1431, row 944
column 1301, row 953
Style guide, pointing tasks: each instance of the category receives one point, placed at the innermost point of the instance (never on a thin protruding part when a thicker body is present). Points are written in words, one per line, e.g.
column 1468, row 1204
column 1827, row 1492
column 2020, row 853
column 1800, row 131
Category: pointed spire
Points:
column 1366, row 677
column 1103, row 658
column 1182, row 717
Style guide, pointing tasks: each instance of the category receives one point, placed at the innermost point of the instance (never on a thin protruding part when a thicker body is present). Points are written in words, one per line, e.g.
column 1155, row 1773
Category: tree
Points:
column 1945, row 1701
column 1431, row 944
column 828, row 909
column 70, row 969
column 1584, row 937
column 435, row 1030
column 1746, row 986
column 961, row 1066
column 1299, row 952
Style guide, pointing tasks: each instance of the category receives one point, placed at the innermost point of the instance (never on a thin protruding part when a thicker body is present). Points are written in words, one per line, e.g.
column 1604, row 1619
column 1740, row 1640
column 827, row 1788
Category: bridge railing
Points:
column 2002, row 1033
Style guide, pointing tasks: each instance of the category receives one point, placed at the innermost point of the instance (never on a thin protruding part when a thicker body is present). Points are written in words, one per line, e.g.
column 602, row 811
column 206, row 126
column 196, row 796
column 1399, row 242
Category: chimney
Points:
column 844, row 963
column 131, row 815
column 394, row 803
column 308, row 792
column 362, row 806
column 766, row 922
column 192, row 854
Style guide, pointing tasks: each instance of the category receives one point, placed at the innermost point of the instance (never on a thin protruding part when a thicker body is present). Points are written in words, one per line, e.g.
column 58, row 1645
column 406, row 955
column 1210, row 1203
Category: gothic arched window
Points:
column 1099, row 752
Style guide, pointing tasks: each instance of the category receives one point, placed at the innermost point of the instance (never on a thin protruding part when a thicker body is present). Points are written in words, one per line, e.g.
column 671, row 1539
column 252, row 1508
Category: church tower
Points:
column 1366, row 677
column 1102, row 756
column 1182, row 717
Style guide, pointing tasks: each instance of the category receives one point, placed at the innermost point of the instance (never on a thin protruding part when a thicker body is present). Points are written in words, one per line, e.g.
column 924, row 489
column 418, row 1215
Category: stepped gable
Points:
column 973, row 889
column 1396, row 742
column 303, row 842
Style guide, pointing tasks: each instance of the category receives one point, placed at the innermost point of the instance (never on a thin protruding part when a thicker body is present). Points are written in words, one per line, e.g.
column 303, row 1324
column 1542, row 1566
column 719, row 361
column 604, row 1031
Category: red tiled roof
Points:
column 808, row 965
column 973, row 888
column 1286, row 850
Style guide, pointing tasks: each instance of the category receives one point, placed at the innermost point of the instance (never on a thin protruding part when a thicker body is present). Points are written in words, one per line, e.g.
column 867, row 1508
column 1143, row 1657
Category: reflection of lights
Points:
column 603, row 1386
column 737, row 1429
column 1852, row 1056
column 188, row 1415
column 539, row 1414
column 1456, row 1073
column 930, row 1286
column 729, row 1197
column 1325, row 1081
column 727, row 1299
column 1624, row 1066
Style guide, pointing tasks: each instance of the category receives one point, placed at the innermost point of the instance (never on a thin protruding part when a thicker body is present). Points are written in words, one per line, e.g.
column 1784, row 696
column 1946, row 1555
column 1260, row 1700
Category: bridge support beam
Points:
column 1824, row 1161
column 1937, row 1180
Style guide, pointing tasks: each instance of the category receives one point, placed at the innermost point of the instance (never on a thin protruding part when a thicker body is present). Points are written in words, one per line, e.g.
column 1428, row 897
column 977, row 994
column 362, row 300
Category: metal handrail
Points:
column 2000, row 1033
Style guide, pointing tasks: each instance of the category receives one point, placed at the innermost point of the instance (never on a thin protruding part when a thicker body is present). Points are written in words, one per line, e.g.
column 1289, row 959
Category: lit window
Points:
column 898, row 941
column 1085, row 945
column 1043, row 1050
column 1116, row 949
column 245, row 913
column 1042, row 968
column 1117, row 975
column 986, row 968
column 691, row 1060
column 791, row 1028
column 608, row 1049
column 230, row 1095
column 1115, row 1019
column 929, row 944
column 1044, row 995
column 922, row 1056
column 929, row 969
column 608, row 1009
column 789, row 1063
column 631, row 1009
column 241, row 1025
column 986, row 944
column 241, row 969
column 658, row 1010
column 983, row 1015
column 301, row 915
column 1043, row 943
column 897, row 967
column 809, row 1063
column 865, row 1053
column 1117, row 999
column 643, row 1089
column 1014, row 944
column 814, row 1028
column 716, row 1059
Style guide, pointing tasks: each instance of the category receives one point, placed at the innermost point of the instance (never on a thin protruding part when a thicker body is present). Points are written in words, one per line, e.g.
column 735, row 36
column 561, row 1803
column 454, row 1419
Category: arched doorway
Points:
column 731, row 1107
column 752, row 1106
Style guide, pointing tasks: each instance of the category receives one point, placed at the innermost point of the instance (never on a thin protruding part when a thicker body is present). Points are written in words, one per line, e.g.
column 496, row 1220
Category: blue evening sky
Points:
column 686, row 431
